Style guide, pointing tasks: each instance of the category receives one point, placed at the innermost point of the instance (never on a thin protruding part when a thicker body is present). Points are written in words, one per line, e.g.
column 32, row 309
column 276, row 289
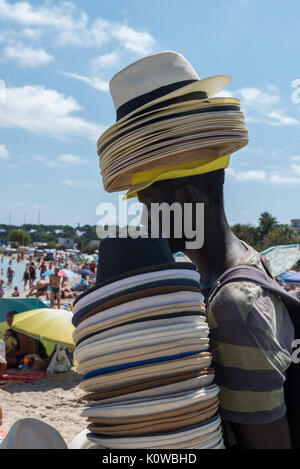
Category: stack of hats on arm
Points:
column 167, row 125
column 142, row 347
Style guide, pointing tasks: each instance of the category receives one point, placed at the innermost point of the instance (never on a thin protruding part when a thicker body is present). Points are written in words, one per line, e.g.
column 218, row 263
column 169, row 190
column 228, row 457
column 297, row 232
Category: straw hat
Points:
column 167, row 124
column 32, row 434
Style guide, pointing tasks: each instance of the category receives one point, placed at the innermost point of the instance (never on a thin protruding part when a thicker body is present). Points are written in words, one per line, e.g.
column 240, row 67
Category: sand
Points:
column 55, row 399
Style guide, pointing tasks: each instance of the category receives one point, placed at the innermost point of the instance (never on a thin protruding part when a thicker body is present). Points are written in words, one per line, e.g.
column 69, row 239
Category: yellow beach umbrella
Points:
column 50, row 324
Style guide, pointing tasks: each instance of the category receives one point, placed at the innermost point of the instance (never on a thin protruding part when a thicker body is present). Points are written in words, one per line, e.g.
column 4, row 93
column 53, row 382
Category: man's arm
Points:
column 275, row 435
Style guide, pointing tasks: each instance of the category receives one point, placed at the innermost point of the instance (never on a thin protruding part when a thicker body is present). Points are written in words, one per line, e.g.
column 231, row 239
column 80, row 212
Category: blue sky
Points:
column 56, row 59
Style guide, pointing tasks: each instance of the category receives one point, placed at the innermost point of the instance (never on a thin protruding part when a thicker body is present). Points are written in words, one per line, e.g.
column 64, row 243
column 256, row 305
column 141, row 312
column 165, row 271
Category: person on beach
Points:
column 26, row 277
column 55, row 288
column 10, row 275
column 43, row 269
column 39, row 289
column 32, row 273
column 16, row 292
column 11, row 340
column 2, row 291
column 26, row 345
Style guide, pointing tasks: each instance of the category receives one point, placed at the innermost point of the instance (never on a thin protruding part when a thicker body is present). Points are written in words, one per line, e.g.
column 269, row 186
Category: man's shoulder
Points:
column 234, row 301
column 247, row 304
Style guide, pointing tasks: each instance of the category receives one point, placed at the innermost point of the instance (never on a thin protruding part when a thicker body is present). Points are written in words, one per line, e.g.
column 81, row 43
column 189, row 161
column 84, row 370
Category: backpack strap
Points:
column 248, row 273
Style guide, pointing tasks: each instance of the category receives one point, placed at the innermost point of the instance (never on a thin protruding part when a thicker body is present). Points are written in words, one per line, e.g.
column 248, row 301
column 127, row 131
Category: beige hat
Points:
column 167, row 124
column 33, row 434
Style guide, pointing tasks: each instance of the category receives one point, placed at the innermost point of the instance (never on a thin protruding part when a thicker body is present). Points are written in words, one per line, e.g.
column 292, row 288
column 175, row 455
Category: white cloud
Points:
column 295, row 158
column 52, row 164
column 94, row 82
column 38, row 158
column 67, row 182
column 277, row 178
column 71, row 159
column 260, row 106
column 141, row 43
column 3, row 153
column 63, row 16
column 105, row 61
column 32, row 33
column 26, row 56
column 278, row 118
column 27, row 185
column 79, row 184
column 296, row 168
column 65, row 160
column 287, row 177
column 254, row 97
column 251, row 175
column 44, row 111
column 72, row 25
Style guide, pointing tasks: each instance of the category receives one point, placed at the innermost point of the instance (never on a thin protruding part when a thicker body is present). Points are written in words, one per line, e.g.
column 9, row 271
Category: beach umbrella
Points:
column 66, row 273
column 19, row 305
column 86, row 272
column 54, row 325
column 281, row 258
column 292, row 277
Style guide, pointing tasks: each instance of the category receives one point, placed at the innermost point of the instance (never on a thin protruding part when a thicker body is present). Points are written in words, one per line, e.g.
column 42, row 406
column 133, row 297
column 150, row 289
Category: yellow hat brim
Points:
column 141, row 181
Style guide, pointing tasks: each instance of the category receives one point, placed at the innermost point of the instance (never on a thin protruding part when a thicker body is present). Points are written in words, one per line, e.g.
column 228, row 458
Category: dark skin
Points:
column 221, row 250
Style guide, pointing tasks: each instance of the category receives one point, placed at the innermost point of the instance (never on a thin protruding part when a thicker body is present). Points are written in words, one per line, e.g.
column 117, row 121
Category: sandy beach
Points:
column 55, row 399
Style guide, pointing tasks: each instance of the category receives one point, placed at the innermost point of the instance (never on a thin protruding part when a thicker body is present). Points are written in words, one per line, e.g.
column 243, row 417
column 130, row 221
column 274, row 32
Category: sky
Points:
column 56, row 61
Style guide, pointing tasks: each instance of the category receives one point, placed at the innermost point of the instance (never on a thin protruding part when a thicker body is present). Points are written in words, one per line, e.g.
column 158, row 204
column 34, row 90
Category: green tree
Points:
column 266, row 224
column 247, row 233
column 280, row 236
column 20, row 237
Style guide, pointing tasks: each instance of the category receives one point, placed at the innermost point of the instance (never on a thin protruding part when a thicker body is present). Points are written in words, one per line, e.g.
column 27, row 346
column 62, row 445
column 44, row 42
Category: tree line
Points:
column 268, row 232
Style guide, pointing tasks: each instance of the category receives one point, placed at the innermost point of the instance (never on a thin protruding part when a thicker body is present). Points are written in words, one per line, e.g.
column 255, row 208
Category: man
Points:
column 251, row 332
column 55, row 288
column 32, row 274
column 26, row 345
column 170, row 144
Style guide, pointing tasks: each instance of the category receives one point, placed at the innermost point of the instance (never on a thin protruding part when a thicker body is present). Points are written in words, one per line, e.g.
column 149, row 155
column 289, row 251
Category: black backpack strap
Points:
column 248, row 273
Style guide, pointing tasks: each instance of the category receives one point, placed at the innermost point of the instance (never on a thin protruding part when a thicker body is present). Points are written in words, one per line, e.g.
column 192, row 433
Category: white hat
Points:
column 33, row 434
column 155, row 77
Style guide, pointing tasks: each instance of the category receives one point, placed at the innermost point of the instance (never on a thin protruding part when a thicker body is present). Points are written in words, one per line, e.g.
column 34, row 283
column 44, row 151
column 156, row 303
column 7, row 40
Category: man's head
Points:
column 187, row 193
column 10, row 317
column 56, row 270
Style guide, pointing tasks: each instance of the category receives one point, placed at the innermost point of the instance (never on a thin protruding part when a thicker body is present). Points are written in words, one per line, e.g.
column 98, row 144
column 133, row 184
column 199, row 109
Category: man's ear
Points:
column 187, row 194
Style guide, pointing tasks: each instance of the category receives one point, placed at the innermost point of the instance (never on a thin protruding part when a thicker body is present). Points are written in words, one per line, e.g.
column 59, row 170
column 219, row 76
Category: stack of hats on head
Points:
column 168, row 126
column 142, row 347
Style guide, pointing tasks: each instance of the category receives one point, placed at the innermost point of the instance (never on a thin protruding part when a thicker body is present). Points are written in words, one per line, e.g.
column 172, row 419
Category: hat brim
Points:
column 198, row 167
column 211, row 86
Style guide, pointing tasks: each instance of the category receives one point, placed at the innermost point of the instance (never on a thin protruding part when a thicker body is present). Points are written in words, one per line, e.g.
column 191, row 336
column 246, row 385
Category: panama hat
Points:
column 139, row 374
column 32, row 434
column 153, row 384
column 195, row 434
column 158, row 78
column 167, row 124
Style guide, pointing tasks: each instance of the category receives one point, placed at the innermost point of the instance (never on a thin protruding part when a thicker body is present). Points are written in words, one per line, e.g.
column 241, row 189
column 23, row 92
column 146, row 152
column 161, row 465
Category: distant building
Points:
column 67, row 243
column 38, row 244
column 296, row 226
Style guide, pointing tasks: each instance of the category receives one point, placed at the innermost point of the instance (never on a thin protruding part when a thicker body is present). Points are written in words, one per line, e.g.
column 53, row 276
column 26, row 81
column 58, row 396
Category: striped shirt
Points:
column 251, row 341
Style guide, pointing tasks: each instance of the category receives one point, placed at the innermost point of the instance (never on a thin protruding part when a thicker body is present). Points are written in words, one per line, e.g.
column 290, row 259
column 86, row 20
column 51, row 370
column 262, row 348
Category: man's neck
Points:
column 221, row 249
